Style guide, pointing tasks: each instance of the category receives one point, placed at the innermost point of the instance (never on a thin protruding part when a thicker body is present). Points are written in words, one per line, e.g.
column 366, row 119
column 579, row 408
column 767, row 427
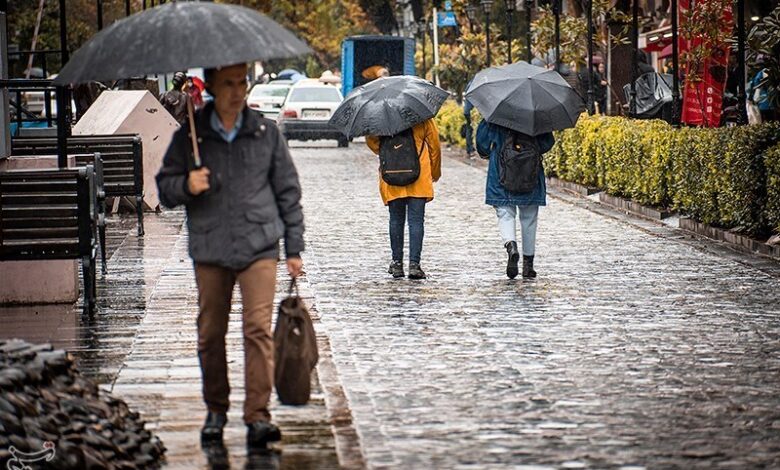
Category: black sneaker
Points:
column 513, row 258
column 212, row 428
column 415, row 271
column 528, row 267
column 261, row 433
column 396, row 269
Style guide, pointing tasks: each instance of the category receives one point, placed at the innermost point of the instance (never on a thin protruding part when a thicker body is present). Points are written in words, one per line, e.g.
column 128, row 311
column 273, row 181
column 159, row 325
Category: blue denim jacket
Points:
column 490, row 139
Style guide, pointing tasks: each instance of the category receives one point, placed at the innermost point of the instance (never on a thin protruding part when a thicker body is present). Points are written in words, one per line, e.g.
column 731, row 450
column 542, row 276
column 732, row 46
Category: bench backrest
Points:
column 122, row 158
column 47, row 213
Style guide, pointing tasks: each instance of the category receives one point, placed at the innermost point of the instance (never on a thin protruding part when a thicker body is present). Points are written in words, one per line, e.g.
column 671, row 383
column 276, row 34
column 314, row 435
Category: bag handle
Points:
column 293, row 286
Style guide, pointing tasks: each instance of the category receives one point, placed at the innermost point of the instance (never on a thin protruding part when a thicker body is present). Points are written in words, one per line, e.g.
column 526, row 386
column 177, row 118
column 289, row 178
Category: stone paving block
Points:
column 635, row 347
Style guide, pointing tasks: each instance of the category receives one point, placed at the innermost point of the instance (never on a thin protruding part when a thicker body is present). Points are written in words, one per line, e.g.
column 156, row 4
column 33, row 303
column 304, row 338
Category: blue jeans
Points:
column 398, row 215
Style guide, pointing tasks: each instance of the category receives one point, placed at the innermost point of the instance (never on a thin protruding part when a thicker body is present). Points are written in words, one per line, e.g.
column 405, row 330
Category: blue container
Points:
column 361, row 52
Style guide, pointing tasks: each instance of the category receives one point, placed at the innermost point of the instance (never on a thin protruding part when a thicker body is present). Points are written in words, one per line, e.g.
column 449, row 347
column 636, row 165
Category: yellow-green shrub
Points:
column 719, row 176
column 449, row 120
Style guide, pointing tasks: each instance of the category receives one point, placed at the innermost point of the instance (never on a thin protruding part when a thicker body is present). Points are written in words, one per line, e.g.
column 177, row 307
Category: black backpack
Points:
column 399, row 161
column 519, row 162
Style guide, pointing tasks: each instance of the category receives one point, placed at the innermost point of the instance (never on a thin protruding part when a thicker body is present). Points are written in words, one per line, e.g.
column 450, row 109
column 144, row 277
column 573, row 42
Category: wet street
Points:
column 635, row 348
column 631, row 350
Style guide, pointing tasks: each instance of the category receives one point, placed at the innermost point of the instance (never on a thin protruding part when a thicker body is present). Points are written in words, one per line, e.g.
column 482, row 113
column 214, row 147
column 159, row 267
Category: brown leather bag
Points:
column 296, row 350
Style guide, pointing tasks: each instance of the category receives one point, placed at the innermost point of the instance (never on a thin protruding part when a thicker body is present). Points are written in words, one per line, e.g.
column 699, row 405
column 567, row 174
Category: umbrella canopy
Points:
column 388, row 105
column 178, row 36
column 528, row 99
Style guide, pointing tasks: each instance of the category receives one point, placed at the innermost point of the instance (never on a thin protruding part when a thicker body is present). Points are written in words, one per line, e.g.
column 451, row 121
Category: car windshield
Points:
column 269, row 91
column 320, row 93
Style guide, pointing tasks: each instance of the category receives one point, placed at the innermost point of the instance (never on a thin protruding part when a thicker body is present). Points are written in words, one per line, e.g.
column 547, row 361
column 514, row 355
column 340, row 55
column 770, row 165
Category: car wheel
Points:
column 343, row 142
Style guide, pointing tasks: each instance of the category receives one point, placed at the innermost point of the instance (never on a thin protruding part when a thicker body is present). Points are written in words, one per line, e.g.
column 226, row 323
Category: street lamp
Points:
column 421, row 25
column 486, row 6
column 529, row 4
column 557, row 13
column 511, row 6
column 471, row 14
column 590, row 58
column 99, row 14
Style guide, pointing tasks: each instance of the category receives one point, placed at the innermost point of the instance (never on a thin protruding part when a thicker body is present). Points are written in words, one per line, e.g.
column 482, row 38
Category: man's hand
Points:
column 198, row 181
column 294, row 266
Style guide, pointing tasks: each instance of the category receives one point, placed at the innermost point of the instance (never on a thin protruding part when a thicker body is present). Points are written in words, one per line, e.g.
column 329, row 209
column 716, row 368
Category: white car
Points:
column 268, row 97
column 306, row 111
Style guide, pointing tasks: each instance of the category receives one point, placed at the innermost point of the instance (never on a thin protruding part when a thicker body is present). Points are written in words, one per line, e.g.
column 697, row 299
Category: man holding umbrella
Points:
column 231, row 168
column 244, row 198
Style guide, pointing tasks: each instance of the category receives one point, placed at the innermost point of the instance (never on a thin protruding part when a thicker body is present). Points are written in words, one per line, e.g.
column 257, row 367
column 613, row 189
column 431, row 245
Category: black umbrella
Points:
column 526, row 98
column 177, row 36
column 387, row 106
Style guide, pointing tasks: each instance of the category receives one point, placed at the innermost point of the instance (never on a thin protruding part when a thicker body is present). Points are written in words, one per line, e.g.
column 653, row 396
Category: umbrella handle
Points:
column 193, row 134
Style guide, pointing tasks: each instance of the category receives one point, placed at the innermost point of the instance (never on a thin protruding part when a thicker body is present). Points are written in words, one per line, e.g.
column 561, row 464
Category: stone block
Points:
column 133, row 112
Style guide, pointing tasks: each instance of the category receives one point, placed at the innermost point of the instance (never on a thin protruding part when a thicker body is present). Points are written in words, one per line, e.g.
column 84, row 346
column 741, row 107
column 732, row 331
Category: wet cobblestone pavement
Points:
column 630, row 350
column 637, row 347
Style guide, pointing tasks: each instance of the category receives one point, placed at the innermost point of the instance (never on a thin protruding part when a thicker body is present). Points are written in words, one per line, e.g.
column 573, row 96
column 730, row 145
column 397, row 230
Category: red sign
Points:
column 703, row 100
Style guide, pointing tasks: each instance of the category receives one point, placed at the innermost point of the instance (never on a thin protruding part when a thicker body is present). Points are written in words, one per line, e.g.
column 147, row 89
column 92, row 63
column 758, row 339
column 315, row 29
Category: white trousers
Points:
column 507, row 215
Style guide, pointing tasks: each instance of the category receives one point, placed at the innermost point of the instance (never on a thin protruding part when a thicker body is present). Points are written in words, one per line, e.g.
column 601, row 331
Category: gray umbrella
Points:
column 387, row 106
column 528, row 99
column 177, row 36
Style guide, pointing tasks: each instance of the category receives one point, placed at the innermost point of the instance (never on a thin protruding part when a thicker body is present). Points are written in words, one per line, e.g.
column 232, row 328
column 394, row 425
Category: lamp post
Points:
column 635, row 58
column 676, row 68
column 486, row 6
column 529, row 4
column 99, row 14
column 471, row 14
column 591, row 109
column 422, row 25
column 511, row 6
column 127, row 7
column 741, row 96
column 557, row 13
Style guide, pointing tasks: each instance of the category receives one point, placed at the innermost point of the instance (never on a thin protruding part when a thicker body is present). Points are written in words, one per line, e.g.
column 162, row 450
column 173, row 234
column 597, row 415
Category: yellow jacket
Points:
column 426, row 136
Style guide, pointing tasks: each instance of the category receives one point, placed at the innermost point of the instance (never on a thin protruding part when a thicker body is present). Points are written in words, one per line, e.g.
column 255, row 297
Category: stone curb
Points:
column 734, row 240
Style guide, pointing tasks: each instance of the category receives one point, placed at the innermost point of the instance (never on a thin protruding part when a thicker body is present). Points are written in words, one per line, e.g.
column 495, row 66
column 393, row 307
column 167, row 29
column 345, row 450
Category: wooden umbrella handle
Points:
column 193, row 134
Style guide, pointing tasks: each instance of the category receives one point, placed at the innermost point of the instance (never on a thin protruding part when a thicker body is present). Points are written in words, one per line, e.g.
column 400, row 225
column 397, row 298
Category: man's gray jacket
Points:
column 254, row 198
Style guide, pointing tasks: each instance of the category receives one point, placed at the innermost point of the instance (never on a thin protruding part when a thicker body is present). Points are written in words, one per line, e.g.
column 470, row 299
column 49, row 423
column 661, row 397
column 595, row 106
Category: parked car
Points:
column 269, row 97
column 307, row 109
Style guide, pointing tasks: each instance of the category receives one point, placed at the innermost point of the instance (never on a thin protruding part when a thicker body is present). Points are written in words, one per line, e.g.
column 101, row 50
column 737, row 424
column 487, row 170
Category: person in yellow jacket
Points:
column 411, row 199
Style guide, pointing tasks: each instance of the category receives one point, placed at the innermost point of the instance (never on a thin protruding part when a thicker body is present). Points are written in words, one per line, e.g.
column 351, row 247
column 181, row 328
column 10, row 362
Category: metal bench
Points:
column 122, row 161
column 50, row 214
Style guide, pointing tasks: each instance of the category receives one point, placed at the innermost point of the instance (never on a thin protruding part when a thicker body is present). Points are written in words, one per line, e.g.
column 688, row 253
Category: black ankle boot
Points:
column 415, row 271
column 513, row 258
column 212, row 428
column 396, row 269
column 528, row 267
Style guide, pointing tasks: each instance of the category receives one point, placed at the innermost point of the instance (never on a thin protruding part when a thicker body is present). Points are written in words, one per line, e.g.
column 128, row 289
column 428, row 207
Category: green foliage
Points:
column 772, row 160
column 449, row 120
column 725, row 176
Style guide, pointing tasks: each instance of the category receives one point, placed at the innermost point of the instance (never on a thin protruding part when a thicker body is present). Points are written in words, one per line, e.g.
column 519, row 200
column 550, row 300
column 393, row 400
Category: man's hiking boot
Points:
column 528, row 267
column 415, row 271
column 513, row 258
column 212, row 428
column 260, row 433
column 396, row 269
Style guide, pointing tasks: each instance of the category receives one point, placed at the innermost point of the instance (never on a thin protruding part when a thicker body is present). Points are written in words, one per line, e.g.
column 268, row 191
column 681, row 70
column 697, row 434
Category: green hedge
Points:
column 773, row 187
column 729, row 177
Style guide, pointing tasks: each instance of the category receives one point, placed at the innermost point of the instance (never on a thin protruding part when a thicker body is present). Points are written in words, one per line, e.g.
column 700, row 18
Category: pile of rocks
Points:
column 52, row 415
